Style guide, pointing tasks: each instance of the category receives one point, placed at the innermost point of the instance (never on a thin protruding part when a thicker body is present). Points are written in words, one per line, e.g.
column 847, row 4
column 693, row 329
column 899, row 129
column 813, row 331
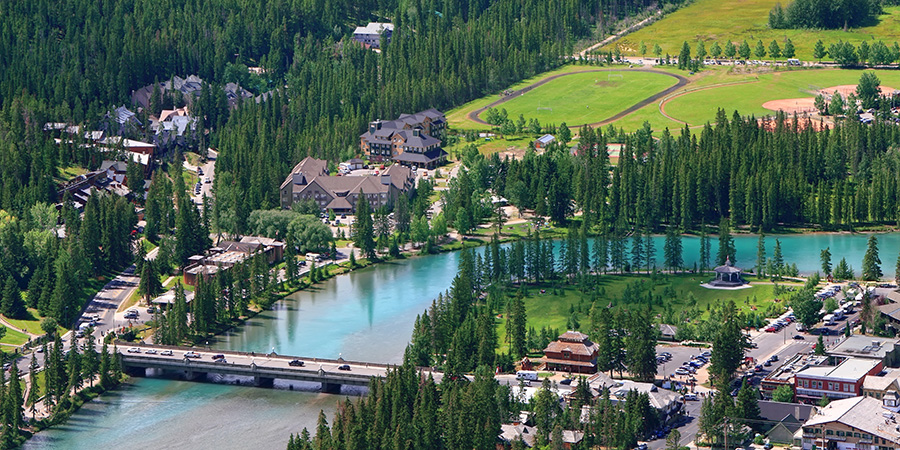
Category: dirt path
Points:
column 682, row 81
column 618, row 35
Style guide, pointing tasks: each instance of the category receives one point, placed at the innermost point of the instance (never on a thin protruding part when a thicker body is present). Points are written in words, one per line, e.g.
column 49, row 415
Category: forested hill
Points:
column 440, row 56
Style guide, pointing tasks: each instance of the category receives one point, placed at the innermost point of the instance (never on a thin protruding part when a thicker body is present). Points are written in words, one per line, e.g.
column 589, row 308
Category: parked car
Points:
column 798, row 337
column 690, row 397
column 296, row 363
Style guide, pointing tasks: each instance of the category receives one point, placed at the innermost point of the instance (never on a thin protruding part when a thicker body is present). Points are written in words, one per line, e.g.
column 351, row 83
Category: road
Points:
column 209, row 172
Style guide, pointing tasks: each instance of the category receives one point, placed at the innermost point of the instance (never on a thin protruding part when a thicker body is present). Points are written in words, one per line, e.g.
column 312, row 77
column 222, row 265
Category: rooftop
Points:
column 374, row 28
column 862, row 413
column 864, row 347
column 882, row 381
column 851, row 369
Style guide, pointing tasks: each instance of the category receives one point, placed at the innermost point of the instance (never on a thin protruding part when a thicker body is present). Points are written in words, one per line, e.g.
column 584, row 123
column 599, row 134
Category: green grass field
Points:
column 698, row 107
column 722, row 20
column 14, row 337
column 586, row 97
column 552, row 311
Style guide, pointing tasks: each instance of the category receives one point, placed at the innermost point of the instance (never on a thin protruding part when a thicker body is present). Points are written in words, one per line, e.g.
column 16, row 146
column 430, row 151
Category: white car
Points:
column 134, row 350
column 150, row 351
column 166, row 353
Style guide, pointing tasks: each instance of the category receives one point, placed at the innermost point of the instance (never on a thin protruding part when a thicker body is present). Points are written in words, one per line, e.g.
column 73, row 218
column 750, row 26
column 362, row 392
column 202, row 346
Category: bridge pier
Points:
column 190, row 375
column 331, row 388
column 136, row 371
column 266, row 382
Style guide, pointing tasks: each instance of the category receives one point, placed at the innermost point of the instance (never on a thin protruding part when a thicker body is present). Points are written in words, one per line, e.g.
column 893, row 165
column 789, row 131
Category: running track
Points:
column 682, row 81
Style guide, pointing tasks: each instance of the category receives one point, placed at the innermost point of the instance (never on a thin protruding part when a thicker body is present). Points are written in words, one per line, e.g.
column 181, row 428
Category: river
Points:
column 364, row 316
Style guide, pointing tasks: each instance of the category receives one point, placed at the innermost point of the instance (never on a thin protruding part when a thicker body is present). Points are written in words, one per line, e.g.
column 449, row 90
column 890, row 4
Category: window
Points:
column 829, row 432
column 855, row 435
column 840, row 433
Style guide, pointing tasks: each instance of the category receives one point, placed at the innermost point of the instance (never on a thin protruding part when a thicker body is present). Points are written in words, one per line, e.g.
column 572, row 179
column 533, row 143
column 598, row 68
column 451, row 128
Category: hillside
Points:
column 721, row 20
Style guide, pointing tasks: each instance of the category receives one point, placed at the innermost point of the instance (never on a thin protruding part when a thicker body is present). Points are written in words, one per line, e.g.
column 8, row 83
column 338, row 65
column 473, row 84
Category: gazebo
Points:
column 727, row 275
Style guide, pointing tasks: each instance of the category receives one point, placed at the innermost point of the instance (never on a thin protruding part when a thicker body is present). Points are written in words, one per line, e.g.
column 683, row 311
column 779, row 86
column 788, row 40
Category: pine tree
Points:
column 33, row 395
column 871, row 265
column 363, row 228
column 825, row 257
column 726, row 244
column 761, row 256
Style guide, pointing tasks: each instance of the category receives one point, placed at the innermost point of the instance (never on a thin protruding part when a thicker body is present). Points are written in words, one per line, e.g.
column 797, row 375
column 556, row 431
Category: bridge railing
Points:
column 288, row 358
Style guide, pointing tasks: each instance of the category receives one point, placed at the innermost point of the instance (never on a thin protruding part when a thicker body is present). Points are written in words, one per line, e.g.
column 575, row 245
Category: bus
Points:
column 828, row 320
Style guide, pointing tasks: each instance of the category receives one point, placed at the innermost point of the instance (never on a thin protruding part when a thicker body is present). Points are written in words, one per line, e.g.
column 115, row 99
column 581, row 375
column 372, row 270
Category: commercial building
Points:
column 371, row 35
column 835, row 382
column 309, row 180
column 572, row 352
column 858, row 423
column 411, row 140
column 868, row 347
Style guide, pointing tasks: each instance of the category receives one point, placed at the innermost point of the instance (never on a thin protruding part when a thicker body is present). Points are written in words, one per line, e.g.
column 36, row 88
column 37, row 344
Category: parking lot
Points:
column 680, row 355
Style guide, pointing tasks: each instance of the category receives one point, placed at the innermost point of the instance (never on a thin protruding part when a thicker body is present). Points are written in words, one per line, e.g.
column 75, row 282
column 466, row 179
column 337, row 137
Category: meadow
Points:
column 583, row 98
column 723, row 20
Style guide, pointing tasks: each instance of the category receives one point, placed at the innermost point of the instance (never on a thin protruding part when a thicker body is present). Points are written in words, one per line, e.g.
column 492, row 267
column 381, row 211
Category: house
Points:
column 411, row 140
column 851, row 423
column 370, row 36
column 835, row 382
column 121, row 121
column 782, row 420
column 227, row 254
column 886, row 350
column 509, row 433
column 667, row 332
column 542, row 142
column 309, row 180
column 189, row 89
column 727, row 275
column 572, row 352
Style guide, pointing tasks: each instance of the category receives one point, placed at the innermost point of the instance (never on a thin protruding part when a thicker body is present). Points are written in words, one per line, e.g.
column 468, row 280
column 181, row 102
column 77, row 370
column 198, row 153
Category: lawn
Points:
column 32, row 325
column 722, row 20
column 14, row 337
column 70, row 172
column 699, row 107
column 589, row 97
column 552, row 309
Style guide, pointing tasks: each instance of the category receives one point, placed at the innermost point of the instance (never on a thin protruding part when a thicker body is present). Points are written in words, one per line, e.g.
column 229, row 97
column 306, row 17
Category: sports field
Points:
column 583, row 98
column 722, row 20
column 698, row 107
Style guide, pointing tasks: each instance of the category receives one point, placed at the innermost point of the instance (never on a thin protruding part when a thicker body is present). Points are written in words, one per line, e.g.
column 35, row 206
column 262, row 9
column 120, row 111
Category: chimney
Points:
column 378, row 124
column 373, row 126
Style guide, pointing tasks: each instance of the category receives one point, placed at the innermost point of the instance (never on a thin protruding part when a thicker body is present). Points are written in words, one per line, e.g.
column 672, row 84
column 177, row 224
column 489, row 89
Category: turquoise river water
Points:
column 364, row 316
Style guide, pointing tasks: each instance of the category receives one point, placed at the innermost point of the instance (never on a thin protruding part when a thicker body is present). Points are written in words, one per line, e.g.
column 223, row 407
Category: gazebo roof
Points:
column 727, row 268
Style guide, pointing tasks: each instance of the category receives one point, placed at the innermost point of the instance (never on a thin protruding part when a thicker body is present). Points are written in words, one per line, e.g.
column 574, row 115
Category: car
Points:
column 220, row 360
column 798, row 337
column 681, row 372
column 134, row 350
column 767, row 363
column 39, row 350
column 773, row 358
column 150, row 351
column 767, row 446
column 690, row 397
column 758, row 368
column 343, row 216
column 165, row 353
column 296, row 363
column 344, row 367
column 666, row 354
column 566, row 381
column 193, row 355
column 642, row 447
column 206, row 180
column 217, row 357
column 151, row 309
